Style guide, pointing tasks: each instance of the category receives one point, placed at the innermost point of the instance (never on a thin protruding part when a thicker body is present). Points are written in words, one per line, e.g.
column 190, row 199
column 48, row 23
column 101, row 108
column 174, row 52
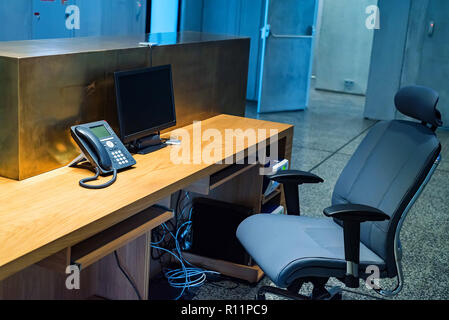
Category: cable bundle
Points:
column 188, row 276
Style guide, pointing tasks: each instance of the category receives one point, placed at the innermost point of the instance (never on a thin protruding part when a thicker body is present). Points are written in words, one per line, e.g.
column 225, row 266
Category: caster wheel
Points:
column 337, row 296
column 261, row 297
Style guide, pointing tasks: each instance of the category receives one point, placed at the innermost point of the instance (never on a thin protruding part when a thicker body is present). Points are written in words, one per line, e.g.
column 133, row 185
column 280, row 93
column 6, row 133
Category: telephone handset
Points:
column 100, row 155
column 104, row 150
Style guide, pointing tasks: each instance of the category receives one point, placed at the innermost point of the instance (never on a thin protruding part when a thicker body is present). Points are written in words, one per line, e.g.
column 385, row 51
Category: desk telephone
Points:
column 103, row 149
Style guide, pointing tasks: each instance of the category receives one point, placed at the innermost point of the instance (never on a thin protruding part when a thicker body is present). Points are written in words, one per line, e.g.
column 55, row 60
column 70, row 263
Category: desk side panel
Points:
column 9, row 117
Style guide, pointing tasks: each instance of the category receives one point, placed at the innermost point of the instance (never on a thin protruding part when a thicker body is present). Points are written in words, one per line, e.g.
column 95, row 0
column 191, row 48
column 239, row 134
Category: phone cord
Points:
column 100, row 186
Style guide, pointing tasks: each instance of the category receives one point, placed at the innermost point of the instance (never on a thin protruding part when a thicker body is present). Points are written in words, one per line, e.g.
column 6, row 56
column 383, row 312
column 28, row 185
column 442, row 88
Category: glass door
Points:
column 287, row 51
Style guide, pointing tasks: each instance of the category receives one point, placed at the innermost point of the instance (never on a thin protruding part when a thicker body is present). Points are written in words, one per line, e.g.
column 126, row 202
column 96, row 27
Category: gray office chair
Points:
column 371, row 199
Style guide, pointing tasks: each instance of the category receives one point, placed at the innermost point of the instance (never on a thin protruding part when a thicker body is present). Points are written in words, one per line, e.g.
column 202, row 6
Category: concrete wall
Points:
column 414, row 43
column 404, row 54
column 387, row 59
column 427, row 55
column 344, row 46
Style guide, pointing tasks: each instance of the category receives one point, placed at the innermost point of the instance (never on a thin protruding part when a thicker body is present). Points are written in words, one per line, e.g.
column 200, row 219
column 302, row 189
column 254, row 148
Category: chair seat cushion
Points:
column 291, row 247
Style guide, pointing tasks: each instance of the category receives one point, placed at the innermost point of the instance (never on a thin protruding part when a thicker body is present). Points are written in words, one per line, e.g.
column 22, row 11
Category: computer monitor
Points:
column 145, row 104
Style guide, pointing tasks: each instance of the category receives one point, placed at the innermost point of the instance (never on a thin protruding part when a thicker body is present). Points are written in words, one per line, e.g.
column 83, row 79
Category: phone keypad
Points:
column 119, row 157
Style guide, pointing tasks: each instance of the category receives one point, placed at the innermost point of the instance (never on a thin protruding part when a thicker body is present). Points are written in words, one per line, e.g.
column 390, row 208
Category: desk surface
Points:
column 45, row 214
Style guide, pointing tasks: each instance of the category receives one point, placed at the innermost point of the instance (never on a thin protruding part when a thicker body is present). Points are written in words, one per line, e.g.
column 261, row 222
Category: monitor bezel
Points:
column 126, row 139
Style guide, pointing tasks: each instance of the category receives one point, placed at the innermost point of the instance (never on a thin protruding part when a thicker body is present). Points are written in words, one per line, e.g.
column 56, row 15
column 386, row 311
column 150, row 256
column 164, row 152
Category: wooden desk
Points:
column 43, row 215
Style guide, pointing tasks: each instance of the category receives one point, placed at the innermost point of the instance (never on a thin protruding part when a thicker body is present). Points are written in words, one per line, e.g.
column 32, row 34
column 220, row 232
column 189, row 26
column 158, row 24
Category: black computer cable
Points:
column 159, row 237
column 117, row 259
column 101, row 186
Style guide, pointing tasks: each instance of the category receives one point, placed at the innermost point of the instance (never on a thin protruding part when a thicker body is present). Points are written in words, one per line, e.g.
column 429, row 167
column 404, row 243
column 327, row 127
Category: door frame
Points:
column 264, row 37
column 149, row 12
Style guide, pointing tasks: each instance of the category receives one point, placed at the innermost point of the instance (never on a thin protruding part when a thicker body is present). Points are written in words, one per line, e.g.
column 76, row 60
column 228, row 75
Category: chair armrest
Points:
column 291, row 179
column 295, row 176
column 355, row 212
column 352, row 216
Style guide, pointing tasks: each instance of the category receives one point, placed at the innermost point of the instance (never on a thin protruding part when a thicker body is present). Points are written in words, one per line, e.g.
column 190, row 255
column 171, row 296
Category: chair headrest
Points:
column 420, row 103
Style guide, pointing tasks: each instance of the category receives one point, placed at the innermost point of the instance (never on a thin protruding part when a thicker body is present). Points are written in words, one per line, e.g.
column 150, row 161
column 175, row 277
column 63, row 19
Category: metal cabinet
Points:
column 49, row 19
column 15, row 19
column 44, row 19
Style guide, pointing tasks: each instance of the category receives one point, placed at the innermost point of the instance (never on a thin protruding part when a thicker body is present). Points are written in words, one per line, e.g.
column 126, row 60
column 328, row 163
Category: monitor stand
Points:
column 148, row 144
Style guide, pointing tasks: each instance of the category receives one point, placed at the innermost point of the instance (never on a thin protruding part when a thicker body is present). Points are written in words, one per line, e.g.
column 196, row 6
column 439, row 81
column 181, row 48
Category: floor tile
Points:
column 325, row 126
column 305, row 159
column 352, row 146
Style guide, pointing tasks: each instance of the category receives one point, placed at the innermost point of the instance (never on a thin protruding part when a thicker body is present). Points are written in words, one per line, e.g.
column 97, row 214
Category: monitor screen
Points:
column 145, row 102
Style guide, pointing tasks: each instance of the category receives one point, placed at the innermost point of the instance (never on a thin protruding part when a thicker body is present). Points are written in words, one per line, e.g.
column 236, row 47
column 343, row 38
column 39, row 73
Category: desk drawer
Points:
column 205, row 185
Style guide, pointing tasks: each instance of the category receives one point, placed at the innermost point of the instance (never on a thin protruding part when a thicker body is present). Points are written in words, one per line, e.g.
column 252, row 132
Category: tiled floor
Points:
column 326, row 135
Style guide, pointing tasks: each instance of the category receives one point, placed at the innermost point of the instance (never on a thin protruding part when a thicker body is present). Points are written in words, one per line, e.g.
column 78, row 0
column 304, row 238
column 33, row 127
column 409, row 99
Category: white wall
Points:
column 343, row 50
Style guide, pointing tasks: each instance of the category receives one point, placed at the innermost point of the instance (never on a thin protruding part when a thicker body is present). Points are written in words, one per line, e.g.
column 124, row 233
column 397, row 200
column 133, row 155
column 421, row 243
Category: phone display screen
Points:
column 100, row 132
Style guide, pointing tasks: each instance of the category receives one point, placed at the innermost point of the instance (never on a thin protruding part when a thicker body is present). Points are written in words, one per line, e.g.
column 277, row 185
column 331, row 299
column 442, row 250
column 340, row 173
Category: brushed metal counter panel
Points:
column 58, row 92
column 9, row 118
column 50, row 85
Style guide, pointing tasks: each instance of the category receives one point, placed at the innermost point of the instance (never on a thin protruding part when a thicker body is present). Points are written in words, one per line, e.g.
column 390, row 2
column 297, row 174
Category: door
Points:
column 287, row 52
column 434, row 69
column 49, row 19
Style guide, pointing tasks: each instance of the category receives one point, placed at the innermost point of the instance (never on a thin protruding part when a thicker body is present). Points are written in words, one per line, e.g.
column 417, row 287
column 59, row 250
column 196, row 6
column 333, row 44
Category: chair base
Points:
column 333, row 294
column 319, row 291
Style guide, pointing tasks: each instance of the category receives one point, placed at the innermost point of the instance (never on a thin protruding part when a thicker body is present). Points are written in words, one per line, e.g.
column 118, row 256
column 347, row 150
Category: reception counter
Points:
column 47, row 86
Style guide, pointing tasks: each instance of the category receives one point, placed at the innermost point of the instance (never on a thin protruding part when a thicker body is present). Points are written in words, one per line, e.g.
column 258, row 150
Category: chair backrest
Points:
column 389, row 167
